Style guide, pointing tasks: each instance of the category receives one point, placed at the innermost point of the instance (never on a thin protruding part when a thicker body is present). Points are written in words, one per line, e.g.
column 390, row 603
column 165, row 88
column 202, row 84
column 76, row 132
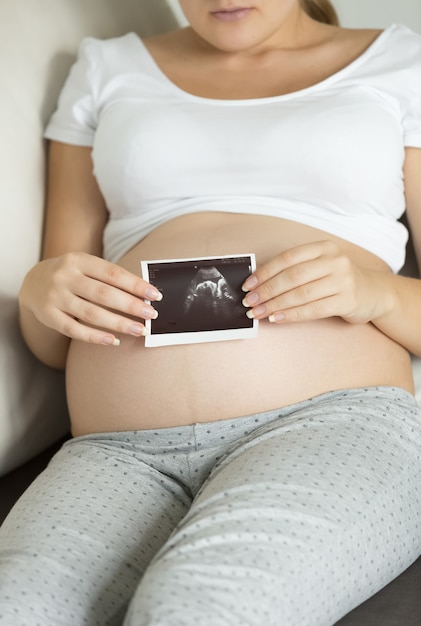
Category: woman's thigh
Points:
column 300, row 523
column 74, row 548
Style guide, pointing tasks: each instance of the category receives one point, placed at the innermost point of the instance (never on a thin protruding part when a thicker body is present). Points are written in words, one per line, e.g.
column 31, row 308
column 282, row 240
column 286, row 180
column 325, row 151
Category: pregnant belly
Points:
column 132, row 387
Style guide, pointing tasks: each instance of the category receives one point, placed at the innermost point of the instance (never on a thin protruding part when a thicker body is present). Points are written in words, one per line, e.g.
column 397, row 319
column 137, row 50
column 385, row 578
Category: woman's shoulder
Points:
column 405, row 42
column 388, row 42
column 128, row 46
column 395, row 34
column 109, row 49
column 387, row 56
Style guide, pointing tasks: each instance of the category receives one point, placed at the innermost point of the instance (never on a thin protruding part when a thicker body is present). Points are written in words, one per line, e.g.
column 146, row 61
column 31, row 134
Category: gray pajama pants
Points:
column 285, row 518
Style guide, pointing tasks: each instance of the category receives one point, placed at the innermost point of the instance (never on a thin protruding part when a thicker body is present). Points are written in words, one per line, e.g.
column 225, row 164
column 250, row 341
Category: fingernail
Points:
column 136, row 330
column 250, row 283
column 111, row 341
column 153, row 294
column 149, row 314
column 276, row 317
column 251, row 299
column 256, row 312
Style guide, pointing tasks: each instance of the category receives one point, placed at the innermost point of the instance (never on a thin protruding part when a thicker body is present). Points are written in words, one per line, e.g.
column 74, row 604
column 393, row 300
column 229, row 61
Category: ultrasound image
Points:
column 203, row 295
column 209, row 296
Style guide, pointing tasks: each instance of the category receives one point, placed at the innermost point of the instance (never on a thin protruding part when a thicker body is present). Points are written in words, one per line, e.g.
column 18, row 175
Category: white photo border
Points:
column 202, row 336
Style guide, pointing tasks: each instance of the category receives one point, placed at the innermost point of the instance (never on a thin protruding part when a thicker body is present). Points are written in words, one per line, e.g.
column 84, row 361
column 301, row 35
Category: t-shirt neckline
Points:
column 336, row 76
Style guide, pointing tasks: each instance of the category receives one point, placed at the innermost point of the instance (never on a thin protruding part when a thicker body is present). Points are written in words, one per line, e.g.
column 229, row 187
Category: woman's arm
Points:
column 73, row 292
column 318, row 280
column 74, row 220
column 403, row 322
column 413, row 198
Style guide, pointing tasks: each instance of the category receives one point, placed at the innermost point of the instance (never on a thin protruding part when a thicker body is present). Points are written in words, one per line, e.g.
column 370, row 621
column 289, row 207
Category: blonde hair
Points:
column 321, row 10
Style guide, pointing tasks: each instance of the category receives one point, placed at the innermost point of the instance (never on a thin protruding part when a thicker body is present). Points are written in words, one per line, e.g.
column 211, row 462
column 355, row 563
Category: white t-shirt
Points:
column 329, row 156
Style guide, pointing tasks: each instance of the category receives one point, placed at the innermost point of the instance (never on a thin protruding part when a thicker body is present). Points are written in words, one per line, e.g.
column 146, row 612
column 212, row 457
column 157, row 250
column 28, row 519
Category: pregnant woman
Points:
column 264, row 481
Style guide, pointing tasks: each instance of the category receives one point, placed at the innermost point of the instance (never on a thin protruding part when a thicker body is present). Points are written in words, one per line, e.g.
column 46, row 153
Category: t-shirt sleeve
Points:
column 410, row 92
column 75, row 119
column 412, row 121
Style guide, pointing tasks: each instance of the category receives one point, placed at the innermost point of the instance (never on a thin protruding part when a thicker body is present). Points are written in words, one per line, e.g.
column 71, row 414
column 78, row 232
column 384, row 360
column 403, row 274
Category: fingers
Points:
column 110, row 274
column 308, row 301
column 89, row 327
column 107, row 274
column 89, row 299
column 301, row 284
column 72, row 328
column 288, row 259
column 94, row 291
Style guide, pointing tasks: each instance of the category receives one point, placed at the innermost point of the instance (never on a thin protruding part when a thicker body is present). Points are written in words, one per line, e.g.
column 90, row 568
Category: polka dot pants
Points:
column 285, row 518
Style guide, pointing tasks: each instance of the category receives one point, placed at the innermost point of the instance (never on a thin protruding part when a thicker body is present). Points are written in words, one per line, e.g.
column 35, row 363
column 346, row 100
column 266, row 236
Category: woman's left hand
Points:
column 314, row 281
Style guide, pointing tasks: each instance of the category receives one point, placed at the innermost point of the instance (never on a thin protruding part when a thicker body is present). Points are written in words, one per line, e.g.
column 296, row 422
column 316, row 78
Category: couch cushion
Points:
column 38, row 42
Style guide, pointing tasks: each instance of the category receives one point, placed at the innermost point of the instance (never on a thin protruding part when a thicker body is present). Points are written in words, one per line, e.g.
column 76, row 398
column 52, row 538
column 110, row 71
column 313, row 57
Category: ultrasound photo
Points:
column 202, row 299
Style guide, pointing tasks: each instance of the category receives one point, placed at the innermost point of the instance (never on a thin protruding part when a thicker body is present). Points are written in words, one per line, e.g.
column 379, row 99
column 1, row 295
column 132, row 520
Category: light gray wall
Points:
column 363, row 13
column 379, row 13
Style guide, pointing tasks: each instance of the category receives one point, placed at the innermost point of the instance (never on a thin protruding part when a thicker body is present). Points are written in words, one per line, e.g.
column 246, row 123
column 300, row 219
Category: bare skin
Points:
column 202, row 382
column 332, row 314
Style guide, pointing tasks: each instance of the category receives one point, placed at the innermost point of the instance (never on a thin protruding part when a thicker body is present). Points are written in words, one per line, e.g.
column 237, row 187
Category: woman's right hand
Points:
column 84, row 297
